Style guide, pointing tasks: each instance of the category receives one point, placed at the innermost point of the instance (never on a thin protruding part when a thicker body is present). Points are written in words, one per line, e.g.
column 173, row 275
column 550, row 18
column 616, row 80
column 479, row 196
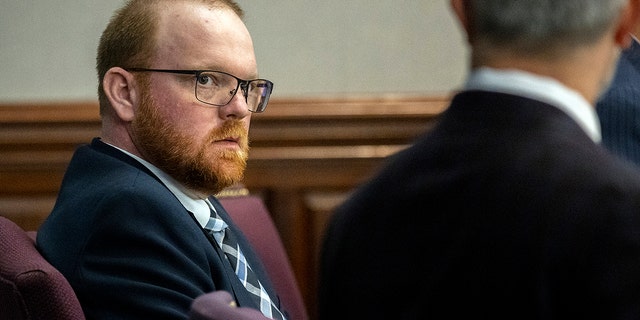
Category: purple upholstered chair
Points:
column 30, row 287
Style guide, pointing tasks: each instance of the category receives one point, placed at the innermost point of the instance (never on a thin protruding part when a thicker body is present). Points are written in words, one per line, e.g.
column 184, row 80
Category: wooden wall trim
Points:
column 333, row 108
column 43, row 112
column 279, row 108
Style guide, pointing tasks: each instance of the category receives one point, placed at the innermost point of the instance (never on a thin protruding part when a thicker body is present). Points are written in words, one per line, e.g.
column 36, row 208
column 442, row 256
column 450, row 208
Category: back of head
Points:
column 540, row 27
column 129, row 38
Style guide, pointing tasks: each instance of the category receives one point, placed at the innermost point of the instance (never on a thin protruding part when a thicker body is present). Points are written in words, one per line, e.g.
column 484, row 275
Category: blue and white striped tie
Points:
column 225, row 239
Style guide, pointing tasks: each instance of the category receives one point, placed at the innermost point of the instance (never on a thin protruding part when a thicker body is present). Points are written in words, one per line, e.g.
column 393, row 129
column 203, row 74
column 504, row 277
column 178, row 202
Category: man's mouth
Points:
column 234, row 139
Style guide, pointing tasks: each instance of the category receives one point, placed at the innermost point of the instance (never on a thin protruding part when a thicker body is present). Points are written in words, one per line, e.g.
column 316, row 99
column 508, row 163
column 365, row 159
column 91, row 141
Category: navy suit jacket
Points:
column 619, row 108
column 127, row 245
column 506, row 209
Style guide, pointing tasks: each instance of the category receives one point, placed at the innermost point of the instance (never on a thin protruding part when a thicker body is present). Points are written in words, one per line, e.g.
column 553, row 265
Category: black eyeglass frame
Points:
column 242, row 84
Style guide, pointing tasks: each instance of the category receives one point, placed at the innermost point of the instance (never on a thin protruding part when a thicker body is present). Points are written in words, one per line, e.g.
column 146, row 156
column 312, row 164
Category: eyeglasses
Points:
column 217, row 88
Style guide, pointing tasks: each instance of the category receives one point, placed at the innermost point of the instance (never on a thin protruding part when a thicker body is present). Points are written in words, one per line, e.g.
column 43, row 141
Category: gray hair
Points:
column 539, row 26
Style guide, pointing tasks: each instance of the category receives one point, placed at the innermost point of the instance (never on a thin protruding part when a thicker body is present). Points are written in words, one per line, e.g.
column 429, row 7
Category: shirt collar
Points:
column 540, row 88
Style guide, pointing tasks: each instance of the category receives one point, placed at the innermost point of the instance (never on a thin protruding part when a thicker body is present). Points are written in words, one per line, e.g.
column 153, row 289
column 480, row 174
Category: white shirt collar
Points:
column 540, row 88
column 192, row 201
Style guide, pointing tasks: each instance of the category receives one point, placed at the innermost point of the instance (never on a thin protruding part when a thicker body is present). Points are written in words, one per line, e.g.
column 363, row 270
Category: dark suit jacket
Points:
column 127, row 245
column 505, row 210
column 619, row 108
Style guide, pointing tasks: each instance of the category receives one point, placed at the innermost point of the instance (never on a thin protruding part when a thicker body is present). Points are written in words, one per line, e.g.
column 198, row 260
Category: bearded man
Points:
column 135, row 225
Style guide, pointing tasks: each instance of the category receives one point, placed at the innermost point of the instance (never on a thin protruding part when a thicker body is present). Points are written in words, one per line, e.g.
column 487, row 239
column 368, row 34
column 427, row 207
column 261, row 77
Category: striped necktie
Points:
column 225, row 239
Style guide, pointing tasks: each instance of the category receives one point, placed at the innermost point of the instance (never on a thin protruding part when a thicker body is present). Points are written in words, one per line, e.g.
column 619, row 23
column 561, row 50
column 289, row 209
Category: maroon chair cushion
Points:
column 30, row 287
column 217, row 305
column 251, row 215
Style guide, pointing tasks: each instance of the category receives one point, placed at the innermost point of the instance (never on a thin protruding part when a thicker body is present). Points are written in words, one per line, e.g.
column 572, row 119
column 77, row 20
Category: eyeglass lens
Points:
column 219, row 88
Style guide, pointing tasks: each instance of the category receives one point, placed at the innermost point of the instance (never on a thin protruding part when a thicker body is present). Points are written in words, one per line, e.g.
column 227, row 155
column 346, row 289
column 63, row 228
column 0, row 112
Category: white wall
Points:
column 307, row 47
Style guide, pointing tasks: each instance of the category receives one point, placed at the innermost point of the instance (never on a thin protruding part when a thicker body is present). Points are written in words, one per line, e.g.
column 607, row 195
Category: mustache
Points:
column 230, row 129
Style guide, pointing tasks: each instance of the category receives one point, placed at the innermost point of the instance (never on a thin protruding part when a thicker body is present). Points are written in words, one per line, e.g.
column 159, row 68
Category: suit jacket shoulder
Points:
column 116, row 229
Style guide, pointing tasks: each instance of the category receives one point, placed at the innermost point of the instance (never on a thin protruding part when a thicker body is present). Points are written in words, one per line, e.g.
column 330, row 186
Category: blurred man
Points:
column 508, row 208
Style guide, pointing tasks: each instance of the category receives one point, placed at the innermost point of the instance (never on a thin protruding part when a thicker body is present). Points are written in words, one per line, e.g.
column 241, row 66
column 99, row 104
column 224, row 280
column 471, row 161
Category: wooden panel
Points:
column 306, row 156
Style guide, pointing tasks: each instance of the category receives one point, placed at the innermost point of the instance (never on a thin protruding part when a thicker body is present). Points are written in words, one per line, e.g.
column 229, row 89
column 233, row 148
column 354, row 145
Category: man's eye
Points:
column 204, row 79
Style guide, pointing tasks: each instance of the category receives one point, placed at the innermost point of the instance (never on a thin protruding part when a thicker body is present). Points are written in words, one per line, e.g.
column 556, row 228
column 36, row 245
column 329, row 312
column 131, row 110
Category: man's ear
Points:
column 628, row 24
column 459, row 7
column 122, row 91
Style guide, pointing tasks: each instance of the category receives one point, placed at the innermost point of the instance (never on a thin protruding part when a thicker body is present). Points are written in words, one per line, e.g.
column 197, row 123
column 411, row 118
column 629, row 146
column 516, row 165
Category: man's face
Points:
column 203, row 147
column 206, row 164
